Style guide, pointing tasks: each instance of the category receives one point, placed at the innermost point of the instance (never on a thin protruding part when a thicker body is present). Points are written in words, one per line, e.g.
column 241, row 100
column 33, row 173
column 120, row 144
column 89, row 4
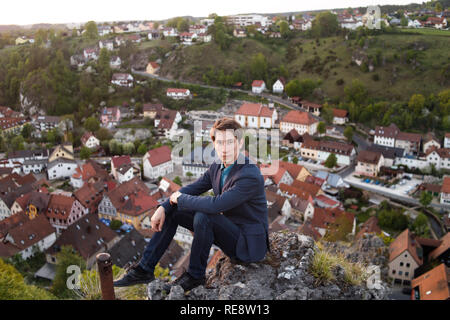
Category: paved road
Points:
column 276, row 99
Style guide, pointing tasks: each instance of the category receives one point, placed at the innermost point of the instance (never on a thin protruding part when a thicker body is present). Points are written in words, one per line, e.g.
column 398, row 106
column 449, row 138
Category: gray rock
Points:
column 283, row 274
column 155, row 290
column 176, row 293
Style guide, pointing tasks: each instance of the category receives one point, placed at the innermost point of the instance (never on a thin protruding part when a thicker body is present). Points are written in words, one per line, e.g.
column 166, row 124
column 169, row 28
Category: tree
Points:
column 85, row 153
column 258, row 67
column 438, row 7
column 416, row 104
column 426, row 198
column 293, row 88
column 392, row 219
column 27, row 130
column 348, row 133
column 321, row 127
column 115, row 147
column 103, row 134
column 420, row 226
column 177, row 180
column 142, row 149
column 104, row 67
column 14, row 287
column 91, row 30
column 356, row 92
column 189, row 175
column 128, row 148
column 331, row 161
column 92, row 124
column 325, row 24
column 17, row 143
column 65, row 258
column 284, row 29
column 183, row 25
column 115, row 224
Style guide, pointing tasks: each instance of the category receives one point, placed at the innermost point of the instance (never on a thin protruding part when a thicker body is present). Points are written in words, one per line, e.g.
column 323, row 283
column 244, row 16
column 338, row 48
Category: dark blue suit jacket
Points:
column 243, row 201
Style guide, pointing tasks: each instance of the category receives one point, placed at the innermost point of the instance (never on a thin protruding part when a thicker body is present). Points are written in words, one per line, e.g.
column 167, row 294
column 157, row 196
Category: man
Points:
column 235, row 219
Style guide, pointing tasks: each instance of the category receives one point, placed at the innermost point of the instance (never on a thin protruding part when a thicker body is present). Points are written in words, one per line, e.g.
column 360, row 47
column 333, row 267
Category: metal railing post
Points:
column 104, row 264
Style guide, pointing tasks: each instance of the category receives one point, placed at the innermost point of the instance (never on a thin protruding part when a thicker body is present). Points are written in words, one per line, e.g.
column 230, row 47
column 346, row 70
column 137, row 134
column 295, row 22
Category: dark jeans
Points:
column 207, row 228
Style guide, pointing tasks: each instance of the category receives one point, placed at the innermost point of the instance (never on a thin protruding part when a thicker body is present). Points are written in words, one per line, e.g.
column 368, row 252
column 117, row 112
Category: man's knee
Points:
column 201, row 220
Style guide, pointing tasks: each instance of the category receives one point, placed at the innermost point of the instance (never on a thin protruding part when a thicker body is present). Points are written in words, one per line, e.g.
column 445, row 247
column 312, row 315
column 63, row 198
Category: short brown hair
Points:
column 227, row 124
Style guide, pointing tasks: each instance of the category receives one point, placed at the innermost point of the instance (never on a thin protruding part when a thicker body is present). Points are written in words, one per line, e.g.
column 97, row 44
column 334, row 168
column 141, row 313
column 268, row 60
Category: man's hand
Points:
column 157, row 220
column 174, row 197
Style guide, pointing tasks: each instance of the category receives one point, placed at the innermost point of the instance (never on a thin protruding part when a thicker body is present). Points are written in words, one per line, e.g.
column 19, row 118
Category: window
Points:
column 400, row 273
column 406, row 273
column 401, row 264
column 393, row 271
column 407, row 265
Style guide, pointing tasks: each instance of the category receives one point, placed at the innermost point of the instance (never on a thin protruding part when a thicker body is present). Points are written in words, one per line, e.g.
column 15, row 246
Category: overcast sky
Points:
column 63, row 11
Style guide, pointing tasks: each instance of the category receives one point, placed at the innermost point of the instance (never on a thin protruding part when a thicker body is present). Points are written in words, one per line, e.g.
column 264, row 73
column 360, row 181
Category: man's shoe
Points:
column 135, row 275
column 187, row 282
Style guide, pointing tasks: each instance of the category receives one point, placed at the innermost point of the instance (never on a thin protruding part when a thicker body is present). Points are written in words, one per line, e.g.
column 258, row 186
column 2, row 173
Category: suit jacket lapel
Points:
column 240, row 162
column 216, row 182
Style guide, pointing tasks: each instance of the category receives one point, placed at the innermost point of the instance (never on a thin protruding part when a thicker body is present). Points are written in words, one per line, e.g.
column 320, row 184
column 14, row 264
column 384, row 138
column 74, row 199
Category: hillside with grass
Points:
column 394, row 66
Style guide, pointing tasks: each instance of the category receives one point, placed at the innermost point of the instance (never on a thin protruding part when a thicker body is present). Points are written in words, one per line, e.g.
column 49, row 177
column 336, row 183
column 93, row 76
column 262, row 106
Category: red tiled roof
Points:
column 405, row 241
column 406, row 136
column 159, row 155
column 86, row 137
column 444, row 246
column 389, row 132
column 255, row 110
column 310, row 188
column 257, row 83
column 154, row 64
column 299, row 117
column 59, row 206
column 327, row 200
column 176, row 90
column 446, row 185
column 367, row 156
column 370, row 226
column 117, row 161
column 302, row 194
column 340, row 113
column 433, row 285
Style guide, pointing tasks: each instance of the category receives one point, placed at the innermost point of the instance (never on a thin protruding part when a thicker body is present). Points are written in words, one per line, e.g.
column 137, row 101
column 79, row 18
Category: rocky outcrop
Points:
column 284, row 274
column 369, row 250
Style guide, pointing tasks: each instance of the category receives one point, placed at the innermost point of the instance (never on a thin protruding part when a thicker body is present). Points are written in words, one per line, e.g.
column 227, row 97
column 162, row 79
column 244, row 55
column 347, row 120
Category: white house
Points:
column 31, row 235
column 447, row 140
column 176, row 93
column 5, row 211
column 125, row 173
column 258, row 86
column 89, row 140
column 122, row 79
column 187, row 38
column 104, row 30
column 278, row 86
column 301, row 121
column 340, row 116
column 385, row 136
column 91, row 53
column 170, row 32
column 61, row 168
column 255, row 115
column 108, row 44
column 158, row 162
column 445, row 191
column 115, row 62
column 414, row 24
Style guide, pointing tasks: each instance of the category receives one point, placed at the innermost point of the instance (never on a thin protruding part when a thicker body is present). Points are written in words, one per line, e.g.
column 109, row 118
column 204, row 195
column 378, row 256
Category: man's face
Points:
column 227, row 146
